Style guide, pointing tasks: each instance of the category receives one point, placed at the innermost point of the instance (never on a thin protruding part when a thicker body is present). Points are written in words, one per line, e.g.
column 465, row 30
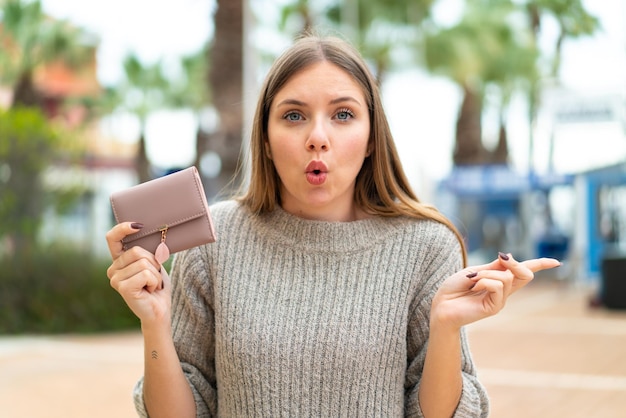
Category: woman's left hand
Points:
column 478, row 292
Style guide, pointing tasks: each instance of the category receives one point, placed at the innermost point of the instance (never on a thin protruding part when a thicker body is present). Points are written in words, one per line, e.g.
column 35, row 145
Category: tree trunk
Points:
column 558, row 52
column 25, row 93
column 500, row 154
column 142, row 165
column 226, row 79
column 469, row 149
column 534, row 15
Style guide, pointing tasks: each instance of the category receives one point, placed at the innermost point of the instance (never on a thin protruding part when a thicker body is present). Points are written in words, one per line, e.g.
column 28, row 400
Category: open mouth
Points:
column 316, row 172
column 316, row 167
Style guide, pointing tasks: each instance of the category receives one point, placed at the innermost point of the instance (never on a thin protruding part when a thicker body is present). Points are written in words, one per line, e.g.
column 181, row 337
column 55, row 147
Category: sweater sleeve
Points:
column 193, row 329
column 444, row 259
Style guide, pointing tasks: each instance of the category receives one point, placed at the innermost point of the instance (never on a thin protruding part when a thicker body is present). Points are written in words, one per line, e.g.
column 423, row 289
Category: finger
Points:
column 493, row 265
column 473, row 272
column 116, row 234
column 494, row 301
column 135, row 285
column 538, row 264
column 524, row 271
column 522, row 274
column 519, row 269
column 117, row 274
column 135, row 254
column 165, row 278
column 505, row 277
column 141, row 264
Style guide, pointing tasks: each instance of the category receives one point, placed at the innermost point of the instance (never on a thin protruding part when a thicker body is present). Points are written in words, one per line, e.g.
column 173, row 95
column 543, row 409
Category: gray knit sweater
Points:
column 286, row 317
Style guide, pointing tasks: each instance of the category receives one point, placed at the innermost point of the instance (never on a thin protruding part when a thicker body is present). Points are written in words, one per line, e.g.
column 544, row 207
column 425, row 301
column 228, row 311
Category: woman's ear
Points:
column 370, row 148
column 268, row 152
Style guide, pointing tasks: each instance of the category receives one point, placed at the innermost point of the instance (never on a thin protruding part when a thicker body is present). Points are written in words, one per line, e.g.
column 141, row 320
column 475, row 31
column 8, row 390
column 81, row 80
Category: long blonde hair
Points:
column 381, row 186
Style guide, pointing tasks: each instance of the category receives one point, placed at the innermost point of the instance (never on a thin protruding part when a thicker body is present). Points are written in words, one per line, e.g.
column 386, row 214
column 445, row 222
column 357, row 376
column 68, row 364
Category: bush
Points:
column 29, row 145
column 59, row 290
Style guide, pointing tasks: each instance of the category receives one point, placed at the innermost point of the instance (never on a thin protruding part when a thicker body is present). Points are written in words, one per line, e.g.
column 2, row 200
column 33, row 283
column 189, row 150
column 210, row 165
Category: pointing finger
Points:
column 538, row 264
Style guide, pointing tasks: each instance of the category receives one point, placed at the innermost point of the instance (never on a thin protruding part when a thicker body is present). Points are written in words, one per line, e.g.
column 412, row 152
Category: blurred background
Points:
column 509, row 115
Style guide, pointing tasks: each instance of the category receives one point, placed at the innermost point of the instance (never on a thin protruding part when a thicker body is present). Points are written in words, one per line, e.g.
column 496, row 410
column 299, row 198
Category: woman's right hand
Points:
column 137, row 276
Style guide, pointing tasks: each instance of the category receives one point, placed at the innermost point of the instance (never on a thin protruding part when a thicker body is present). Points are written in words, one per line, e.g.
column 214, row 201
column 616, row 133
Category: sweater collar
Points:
column 286, row 229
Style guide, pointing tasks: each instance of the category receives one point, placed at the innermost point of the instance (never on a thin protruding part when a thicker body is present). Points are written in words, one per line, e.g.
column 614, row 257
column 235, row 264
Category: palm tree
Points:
column 376, row 27
column 143, row 90
column 225, row 77
column 514, row 68
column 574, row 21
column 482, row 49
column 458, row 53
column 30, row 40
column 300, row 10
column 191, row 91
column 380, row 27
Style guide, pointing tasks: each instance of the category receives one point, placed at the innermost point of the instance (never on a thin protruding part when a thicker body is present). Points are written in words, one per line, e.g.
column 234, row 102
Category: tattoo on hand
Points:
column 155, row 355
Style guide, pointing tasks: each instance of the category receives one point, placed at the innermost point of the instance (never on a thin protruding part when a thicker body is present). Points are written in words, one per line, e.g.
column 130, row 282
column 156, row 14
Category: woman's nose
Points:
column 318, row 138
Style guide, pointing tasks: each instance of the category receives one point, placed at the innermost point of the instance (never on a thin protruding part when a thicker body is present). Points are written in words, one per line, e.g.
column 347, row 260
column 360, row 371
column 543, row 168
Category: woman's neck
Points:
column 328, row 214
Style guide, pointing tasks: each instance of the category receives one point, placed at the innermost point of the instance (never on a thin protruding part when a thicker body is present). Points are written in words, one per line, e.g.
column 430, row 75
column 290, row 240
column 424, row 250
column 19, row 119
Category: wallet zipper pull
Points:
column 163, row 230
column 162, row 252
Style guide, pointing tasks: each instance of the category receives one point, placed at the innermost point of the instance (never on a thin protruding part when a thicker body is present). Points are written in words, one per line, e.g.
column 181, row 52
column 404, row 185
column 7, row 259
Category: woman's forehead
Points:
column 322, row 77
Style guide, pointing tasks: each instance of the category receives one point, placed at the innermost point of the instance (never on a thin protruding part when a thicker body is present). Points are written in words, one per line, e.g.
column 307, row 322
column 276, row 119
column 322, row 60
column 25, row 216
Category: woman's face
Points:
column 318, row 132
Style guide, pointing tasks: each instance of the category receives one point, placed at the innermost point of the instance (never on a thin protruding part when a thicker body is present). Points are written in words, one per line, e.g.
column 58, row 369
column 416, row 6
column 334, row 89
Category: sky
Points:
column 151, row 28
column 421, row 109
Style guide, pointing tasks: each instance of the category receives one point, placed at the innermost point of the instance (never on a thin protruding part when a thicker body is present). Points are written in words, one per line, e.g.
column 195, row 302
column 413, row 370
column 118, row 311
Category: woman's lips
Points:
column 316, row 178
column 316, row 172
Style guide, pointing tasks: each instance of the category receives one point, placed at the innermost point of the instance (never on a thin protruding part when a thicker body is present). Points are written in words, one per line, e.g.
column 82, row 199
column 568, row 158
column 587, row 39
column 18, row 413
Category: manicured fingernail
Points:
column 503, row 256
column 136, row 225
column 474, row 274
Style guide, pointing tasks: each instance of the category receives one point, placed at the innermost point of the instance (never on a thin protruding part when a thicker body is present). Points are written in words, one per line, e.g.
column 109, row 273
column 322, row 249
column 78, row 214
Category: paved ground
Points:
column 549, row 355
column 69, row 377
column 546, row 355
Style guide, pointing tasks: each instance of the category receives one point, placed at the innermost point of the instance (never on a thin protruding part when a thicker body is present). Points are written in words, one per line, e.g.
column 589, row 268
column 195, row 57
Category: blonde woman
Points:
column 332, row 290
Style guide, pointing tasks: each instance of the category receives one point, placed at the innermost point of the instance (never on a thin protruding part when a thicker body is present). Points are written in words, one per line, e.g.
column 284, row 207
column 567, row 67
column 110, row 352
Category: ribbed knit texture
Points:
column 286, row 317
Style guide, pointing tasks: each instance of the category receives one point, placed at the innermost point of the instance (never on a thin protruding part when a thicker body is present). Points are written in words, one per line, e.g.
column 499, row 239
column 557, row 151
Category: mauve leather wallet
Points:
column 172, row 208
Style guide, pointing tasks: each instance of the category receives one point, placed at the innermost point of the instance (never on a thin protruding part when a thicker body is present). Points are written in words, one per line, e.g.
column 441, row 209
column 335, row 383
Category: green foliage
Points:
column 28, row 136
column 191, row 89
column 144, row 89
column 57, row 290
column 149, row 87
column 35, row 39
column 384, row 31
column 27, row 144
column 483, row 47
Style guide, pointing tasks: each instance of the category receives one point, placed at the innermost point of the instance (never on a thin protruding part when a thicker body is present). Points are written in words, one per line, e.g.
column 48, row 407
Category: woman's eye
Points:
column 344, row 114
column 292, row 116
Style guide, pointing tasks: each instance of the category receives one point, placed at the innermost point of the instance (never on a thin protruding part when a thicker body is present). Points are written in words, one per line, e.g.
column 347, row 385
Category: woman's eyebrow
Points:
column 344, row 99
column 295, row 102
column 290, row 102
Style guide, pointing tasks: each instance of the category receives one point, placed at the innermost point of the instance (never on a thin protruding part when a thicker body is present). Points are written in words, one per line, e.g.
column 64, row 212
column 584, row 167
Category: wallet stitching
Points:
column 170, row 225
